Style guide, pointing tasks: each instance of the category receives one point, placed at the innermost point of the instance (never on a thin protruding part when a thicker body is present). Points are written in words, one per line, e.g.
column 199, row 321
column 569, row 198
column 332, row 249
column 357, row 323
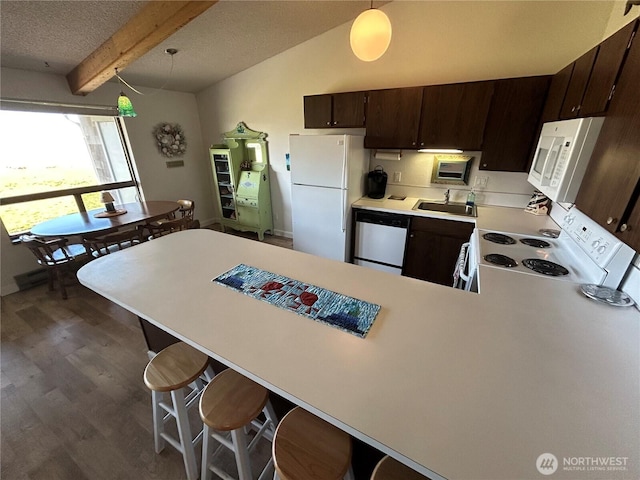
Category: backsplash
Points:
column 507, row 189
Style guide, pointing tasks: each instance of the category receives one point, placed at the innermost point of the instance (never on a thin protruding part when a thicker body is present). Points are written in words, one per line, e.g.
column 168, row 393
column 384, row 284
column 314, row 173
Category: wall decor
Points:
column 170, row 139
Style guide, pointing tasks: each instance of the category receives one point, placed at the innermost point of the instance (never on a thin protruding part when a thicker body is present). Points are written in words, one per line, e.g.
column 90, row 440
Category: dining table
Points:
column 454, row 384
column 100, row 220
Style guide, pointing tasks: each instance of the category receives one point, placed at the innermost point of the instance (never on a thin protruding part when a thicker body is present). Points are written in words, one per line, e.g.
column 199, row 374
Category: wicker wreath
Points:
column 170, row 139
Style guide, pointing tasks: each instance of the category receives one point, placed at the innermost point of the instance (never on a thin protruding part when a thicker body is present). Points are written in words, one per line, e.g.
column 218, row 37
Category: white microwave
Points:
column 562, row 155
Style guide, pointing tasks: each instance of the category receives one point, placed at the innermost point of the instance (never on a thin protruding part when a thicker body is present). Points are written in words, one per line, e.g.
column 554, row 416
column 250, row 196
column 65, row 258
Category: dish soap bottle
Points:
column 471, row 198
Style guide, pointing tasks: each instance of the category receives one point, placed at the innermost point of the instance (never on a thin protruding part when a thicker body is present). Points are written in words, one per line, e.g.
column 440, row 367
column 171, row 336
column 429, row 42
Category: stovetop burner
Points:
column 502, row 260
column 499, row 238
column 549, row 232
column 545, row 267
column 535, row 242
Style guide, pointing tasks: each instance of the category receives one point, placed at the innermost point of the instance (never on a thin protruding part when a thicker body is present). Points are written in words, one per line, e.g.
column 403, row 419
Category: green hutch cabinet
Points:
column 240, row 169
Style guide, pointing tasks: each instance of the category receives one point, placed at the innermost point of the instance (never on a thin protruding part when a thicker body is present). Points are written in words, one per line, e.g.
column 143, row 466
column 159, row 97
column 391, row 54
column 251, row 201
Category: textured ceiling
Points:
column 233, row 35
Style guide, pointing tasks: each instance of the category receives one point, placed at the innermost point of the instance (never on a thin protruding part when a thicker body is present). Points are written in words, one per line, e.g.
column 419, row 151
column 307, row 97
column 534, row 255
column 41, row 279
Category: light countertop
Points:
column 455, row 384
column 497, row 219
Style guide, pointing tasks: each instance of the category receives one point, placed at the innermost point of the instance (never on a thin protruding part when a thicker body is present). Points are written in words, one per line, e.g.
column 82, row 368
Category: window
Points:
column 53, row 164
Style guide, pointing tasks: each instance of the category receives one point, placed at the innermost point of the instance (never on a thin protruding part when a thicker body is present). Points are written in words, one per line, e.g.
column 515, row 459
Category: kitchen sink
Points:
column 451, row 207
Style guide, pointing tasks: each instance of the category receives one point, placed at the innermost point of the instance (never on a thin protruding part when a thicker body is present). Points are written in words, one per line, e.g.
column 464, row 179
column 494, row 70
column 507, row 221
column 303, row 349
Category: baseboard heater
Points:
column 31, row 279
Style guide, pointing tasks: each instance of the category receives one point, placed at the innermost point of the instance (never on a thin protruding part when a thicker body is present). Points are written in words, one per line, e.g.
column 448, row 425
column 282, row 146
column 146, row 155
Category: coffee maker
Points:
column 376, row 182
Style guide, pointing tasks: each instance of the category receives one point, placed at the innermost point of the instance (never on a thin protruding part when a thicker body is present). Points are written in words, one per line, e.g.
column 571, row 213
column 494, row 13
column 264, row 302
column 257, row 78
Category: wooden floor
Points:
column 73, row 402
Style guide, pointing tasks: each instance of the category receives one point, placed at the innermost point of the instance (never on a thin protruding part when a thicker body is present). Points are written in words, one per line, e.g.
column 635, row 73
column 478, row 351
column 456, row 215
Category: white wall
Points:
column 158, row 182
column 433, row 42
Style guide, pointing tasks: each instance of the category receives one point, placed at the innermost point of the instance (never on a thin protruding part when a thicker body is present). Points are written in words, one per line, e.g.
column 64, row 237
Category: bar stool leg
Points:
column 184, row 431
column 158, row 420
column 349, row 475
column 209, row 373
column 242, row 454
column 207, row 450
column 270, row 415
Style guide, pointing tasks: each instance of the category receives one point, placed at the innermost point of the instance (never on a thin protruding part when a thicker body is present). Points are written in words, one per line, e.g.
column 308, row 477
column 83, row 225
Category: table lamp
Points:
column 107, row 199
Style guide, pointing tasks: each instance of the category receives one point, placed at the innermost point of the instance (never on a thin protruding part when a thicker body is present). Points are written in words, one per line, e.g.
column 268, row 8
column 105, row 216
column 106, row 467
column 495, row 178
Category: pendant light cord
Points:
column 122, row 80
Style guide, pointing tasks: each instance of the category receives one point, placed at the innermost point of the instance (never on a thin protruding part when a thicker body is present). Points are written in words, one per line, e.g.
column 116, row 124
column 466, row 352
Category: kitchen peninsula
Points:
column 457, row 385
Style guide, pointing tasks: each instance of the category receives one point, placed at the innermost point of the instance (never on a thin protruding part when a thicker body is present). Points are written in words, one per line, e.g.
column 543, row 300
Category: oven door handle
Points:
column 459, row 274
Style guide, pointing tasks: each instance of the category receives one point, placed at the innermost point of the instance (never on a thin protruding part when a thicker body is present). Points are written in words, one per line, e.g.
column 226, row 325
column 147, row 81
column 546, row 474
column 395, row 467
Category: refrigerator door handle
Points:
column 344, row 210
column 344, row 171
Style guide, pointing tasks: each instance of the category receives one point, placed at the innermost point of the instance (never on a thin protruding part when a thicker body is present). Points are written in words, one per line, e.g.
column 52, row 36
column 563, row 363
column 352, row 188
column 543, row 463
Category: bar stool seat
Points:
column 174, row 368
column 306, row 447
column 232, row 403
column 390, row 469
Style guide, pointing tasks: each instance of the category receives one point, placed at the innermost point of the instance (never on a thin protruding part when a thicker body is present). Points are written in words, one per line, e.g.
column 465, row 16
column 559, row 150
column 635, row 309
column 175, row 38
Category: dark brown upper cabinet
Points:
column 454, row 116
column 611, row 186
column 577, row 84
column 557, row 92
column 585, row 87
column 513, row 123
column 606, row 69
column 335, row 110
column 393, row 118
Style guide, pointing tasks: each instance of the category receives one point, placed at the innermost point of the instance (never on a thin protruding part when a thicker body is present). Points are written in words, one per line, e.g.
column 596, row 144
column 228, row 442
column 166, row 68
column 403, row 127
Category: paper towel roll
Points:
column 388, row 156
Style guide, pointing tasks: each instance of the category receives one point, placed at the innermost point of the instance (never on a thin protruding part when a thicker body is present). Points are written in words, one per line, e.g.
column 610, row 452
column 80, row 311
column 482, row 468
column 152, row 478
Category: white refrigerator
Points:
column 328, row 174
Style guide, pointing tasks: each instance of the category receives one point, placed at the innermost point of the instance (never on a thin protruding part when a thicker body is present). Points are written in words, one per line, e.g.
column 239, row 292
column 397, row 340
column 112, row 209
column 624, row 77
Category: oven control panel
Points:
column 599, row 244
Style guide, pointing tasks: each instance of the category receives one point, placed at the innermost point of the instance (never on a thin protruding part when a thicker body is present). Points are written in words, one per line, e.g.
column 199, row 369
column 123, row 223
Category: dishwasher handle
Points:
column 383, row 218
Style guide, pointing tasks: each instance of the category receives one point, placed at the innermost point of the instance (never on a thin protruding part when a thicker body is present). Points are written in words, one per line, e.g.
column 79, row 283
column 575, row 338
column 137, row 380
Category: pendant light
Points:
column 125, row 108
column 370, row 34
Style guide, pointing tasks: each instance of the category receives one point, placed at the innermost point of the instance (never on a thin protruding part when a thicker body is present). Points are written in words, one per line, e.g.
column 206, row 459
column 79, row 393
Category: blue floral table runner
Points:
column 335, row 309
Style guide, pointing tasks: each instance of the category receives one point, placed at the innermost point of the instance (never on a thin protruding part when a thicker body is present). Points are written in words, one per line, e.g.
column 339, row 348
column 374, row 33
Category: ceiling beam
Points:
column 154, row 23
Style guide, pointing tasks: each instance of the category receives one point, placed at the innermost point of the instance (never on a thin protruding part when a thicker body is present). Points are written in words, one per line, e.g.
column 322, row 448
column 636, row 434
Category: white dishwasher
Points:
column 380, row 240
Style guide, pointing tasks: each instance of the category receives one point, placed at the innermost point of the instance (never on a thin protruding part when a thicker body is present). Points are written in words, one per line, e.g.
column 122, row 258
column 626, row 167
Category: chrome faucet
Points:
column 446, row 197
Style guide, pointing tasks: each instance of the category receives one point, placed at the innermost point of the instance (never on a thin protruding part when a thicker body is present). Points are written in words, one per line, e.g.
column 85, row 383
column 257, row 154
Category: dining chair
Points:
column 98, row 246
column 187, row 208
column 55, row 255
column 168, row 226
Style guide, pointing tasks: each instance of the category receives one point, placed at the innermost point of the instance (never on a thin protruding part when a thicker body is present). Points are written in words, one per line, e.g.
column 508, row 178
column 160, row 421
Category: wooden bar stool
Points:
column 306, row 447
column 177, row 366
column 231, row 403
column 390, row 469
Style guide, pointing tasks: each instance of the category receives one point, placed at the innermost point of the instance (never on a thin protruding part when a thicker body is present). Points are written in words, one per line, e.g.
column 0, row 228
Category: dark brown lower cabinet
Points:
column 433, row 248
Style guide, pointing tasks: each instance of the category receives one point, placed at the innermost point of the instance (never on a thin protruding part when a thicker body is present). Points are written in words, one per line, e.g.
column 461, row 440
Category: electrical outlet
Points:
column 397, row 176
column 481, row 182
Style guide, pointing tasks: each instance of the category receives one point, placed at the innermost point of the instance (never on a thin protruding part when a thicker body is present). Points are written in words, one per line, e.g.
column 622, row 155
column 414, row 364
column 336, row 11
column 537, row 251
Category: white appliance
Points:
column 582, row 252
column 380, row 240
column 327, row 175
column 562, row 155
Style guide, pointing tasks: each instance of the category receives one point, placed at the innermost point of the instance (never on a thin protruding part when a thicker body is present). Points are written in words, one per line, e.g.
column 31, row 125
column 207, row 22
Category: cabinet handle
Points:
column 611, row 220
column 422, row 144
column 411, row 235
column 329, row 123
column 413, row 143
column 335, row 123
column 484, row 164
column 624, row 227
column 573, row 109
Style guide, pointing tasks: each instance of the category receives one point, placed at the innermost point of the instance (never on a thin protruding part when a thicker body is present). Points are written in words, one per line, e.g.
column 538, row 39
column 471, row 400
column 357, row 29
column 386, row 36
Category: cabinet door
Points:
column 610, row 188
column 348, row 110
column 605, row 71
column 433, row 248
column 512, row 124
column 577, row 85
column 454, row 116
column 557, row 92
column 393, row 118
column 317, row 111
